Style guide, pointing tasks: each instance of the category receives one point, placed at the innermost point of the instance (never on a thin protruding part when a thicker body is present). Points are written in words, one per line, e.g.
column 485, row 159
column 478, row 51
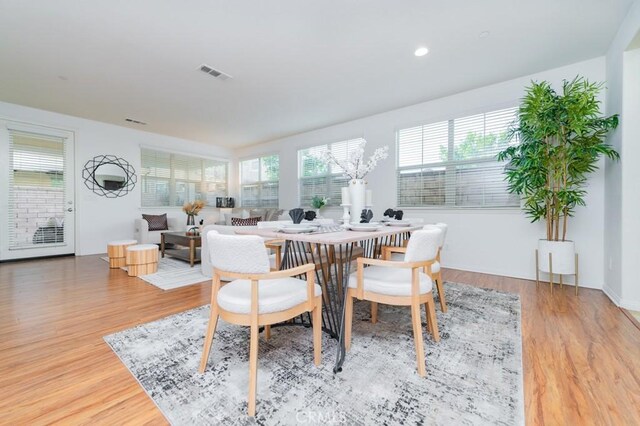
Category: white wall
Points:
column 493, row 241
column 622, row 240
column 100, row 219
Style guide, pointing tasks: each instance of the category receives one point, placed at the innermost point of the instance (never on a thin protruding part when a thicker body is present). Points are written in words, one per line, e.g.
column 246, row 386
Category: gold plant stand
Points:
column 551, row 273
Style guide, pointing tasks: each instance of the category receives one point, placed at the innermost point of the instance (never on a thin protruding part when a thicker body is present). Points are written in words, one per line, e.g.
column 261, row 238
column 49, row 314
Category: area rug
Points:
column 474, row 374
column 172, row 273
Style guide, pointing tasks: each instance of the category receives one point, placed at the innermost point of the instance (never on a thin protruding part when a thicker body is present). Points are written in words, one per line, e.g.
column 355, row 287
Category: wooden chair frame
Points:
column 276, row 246
column 255, row 320
column 435, row 276
column 415, row 301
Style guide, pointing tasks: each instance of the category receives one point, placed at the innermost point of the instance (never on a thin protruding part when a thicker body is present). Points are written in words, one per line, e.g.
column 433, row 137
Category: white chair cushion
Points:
column 238, row 253
column 399, row 257
column 423, row 245
column 390, row 281
column 273, row 295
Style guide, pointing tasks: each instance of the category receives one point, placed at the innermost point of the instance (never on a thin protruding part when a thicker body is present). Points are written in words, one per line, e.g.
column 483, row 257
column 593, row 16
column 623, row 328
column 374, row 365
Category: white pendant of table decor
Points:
column 357, row 193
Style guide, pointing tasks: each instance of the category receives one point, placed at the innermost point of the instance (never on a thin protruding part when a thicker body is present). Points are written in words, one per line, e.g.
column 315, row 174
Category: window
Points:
column 318, row 178
column 453, row 163
column 259, row 181
column 169, row 179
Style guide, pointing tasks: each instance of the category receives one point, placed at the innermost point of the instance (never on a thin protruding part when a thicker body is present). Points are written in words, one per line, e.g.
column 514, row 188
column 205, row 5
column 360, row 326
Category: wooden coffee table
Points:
column 188, row 249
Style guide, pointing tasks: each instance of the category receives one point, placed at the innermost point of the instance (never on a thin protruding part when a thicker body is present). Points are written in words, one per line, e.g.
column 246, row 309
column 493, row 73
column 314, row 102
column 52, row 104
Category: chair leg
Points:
column 440, row 286
column 253, row 370
column 267, row 332
column 417, row 338
column 317, row 331
column 348, row 320
column 427, row 319
column 374, row 312
column 208, row 340
column 433, row 320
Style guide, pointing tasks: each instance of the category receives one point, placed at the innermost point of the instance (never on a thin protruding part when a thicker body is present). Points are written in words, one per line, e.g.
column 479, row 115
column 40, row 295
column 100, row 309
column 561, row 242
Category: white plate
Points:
column 398, row 223
column 298, row 230
column 364, row 227
column 300, row 225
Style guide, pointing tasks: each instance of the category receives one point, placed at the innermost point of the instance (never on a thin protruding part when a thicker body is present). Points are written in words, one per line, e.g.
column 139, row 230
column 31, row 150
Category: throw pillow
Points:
column 250, row 221
column 273, row 215
column 258, row 212
column 157, row 222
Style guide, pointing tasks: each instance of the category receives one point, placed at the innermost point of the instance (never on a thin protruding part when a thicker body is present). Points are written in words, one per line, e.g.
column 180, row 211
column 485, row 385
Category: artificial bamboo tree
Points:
column 561, row 137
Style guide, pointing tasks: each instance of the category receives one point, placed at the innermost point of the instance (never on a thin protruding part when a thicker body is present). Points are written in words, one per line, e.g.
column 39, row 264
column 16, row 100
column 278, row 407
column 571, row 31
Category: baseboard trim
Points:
column 611, row 294
column 630, row 305
column 512, row 275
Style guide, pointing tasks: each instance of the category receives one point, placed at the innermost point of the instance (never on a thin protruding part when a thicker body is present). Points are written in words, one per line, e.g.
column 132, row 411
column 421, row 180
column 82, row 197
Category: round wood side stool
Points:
column 116, row 251
column 142, row 259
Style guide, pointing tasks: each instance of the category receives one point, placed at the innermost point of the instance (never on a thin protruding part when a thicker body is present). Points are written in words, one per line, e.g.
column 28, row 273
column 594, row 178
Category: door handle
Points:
column 69, row 209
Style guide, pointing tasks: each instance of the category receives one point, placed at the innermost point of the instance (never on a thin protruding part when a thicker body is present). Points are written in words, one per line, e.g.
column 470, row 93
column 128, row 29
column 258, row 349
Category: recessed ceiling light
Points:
column 421, row 51
column 484, row 34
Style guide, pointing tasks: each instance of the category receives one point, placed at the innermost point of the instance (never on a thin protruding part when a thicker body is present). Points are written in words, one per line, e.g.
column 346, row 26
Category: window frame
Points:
column 450, row 164
column 331, row 178
column 171, row 181
column 259, row 182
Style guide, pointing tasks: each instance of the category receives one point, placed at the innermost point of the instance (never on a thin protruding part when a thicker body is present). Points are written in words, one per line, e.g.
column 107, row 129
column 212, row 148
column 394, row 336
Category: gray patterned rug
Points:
column 474, row 375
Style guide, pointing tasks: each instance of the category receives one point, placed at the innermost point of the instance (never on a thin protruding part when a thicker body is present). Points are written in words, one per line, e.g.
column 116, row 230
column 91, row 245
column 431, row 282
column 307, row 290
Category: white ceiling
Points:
column 297, row 64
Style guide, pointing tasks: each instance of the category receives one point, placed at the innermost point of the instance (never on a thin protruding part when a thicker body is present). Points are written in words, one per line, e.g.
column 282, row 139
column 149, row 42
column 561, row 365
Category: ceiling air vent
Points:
column 213, row 72
column 131, row 120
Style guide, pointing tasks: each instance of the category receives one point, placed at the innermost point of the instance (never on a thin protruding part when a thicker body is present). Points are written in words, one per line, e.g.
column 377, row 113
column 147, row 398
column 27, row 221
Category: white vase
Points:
column 357, row 193
column 563, row 256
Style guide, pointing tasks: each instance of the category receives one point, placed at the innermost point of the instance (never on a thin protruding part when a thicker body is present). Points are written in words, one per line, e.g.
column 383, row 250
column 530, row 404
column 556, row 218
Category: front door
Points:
column 36, row 192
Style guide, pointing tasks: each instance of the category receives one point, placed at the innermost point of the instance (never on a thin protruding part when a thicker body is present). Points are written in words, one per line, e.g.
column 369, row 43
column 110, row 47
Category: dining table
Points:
column 332, row 249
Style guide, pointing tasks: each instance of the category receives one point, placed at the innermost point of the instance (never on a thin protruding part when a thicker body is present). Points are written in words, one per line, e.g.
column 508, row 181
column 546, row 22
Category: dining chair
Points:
column 257, row 296
column 400, row 283
column 397, row 254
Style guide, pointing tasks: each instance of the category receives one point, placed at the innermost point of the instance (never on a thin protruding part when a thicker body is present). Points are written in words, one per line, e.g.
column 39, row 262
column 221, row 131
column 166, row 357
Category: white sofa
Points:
column 144, row 236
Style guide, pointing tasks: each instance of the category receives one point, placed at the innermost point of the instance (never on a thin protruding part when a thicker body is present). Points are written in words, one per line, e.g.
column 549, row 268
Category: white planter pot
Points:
column 563, row 256
column 357, row 193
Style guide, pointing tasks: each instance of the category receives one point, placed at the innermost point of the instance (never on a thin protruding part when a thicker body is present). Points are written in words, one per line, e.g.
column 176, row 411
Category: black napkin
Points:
column 296, row 215
column 397, row 214
column 366, row 216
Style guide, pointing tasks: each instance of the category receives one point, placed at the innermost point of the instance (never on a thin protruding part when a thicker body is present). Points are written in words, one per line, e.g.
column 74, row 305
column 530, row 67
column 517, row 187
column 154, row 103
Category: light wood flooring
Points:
column 581, row 355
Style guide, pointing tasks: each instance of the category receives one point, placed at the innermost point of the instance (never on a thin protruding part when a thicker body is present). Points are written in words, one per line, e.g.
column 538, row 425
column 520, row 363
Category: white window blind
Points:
column 316, row 178
column 259, row 181
column 453, row 163
column 170, row 179
column 36, row 190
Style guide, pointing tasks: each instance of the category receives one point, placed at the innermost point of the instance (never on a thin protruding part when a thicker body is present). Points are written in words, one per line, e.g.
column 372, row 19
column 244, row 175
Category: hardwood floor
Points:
column 581, row 355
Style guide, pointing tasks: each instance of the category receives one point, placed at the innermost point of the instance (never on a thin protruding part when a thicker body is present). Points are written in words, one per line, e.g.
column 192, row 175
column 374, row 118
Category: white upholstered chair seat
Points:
column 273, row 295
column 390, row 281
